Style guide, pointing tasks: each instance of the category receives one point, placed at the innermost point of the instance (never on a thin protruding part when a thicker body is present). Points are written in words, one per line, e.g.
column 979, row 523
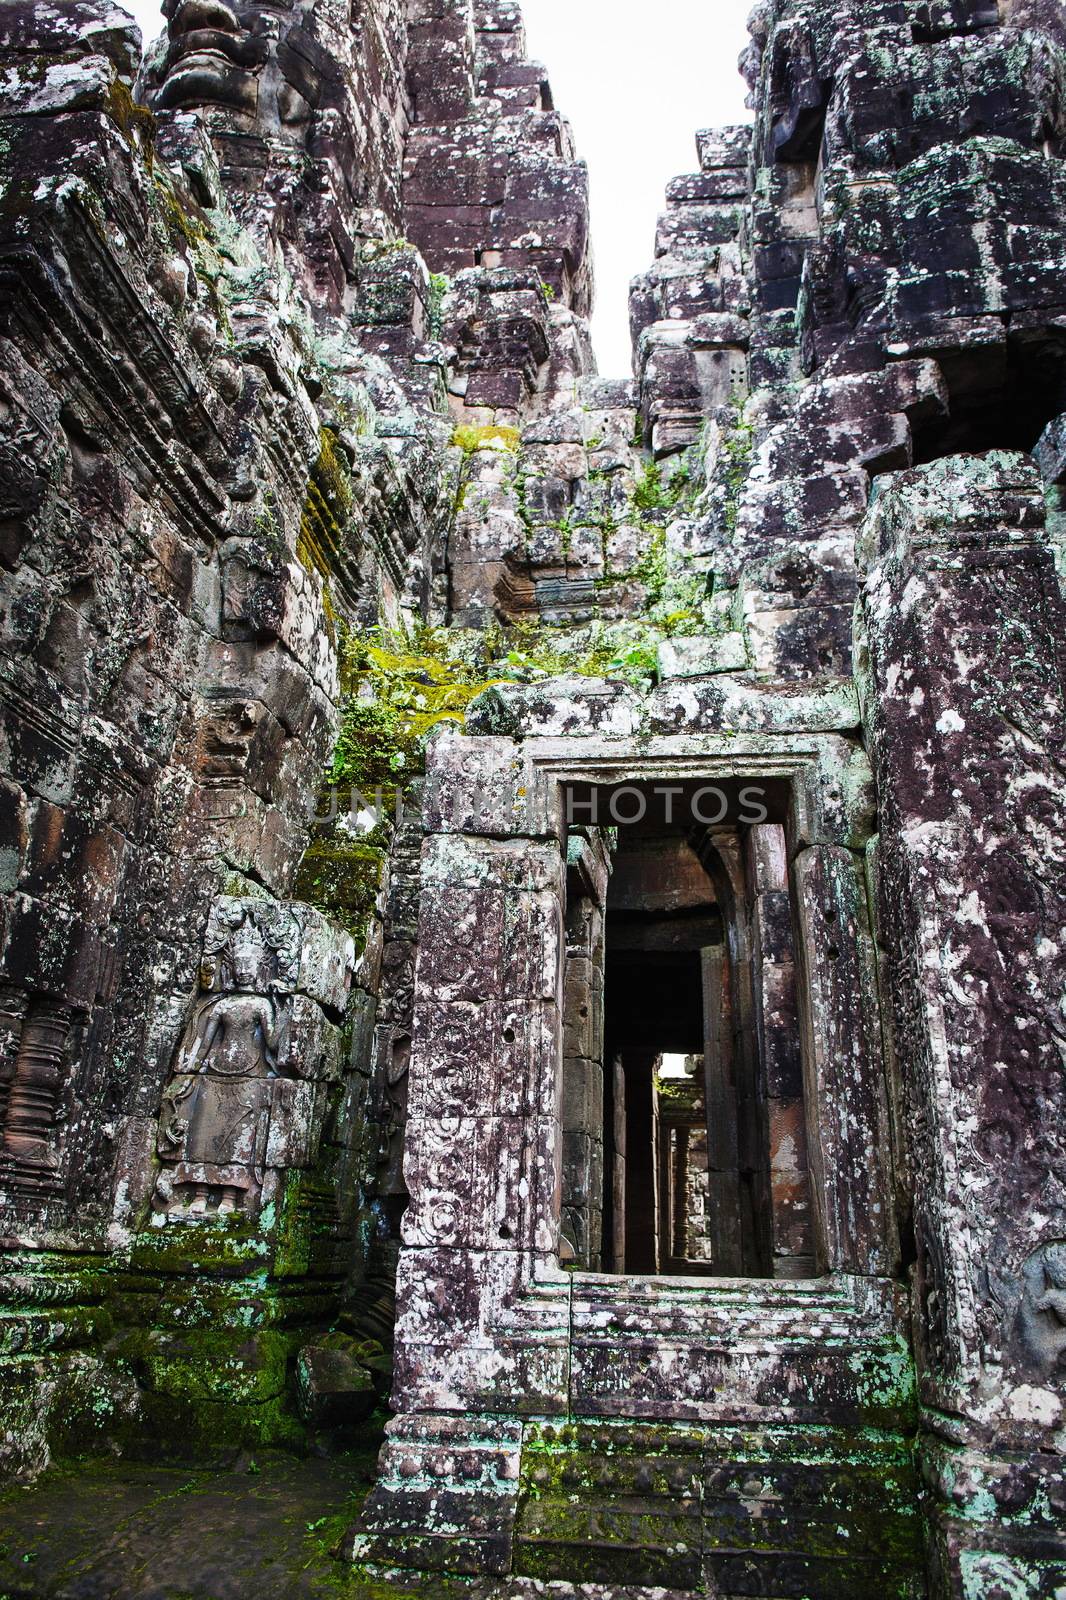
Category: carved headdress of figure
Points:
column 1040, row 1321
column 250, row 946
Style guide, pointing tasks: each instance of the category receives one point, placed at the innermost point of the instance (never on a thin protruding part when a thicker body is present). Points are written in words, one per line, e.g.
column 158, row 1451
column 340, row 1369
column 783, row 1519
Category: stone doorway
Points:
column 685, row 1142
column 662, row 916
column 534, row 1388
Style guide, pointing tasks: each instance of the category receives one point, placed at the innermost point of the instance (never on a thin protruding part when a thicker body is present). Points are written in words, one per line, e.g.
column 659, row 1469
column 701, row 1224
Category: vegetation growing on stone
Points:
column 136, row 121
column 396, row 688
column 737, row 446
column 471, row 439
column 323, row 524
column 652, row 492
column 438, row 288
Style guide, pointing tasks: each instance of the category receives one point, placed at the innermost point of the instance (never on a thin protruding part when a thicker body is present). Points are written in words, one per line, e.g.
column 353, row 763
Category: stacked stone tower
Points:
column 533, row 896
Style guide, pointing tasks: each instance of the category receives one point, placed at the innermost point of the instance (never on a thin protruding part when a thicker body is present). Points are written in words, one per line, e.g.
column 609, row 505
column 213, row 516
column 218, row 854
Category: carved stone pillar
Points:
column 963, row 629
column 583, row 1087
column 851, row 1143
column 780, row 1056
column 615, row 1237
column 482, row 1331
column 723, row 1174
column 33, row 1097
column 644, row 1221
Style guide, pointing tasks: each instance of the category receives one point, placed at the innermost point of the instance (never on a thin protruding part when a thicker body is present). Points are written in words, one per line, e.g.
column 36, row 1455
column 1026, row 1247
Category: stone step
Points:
column 535, row 1589
column 814, row 1514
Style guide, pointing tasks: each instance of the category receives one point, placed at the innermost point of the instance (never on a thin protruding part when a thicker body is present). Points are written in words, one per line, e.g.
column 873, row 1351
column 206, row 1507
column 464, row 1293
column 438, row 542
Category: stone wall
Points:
column 207, row 488
column 333, row 574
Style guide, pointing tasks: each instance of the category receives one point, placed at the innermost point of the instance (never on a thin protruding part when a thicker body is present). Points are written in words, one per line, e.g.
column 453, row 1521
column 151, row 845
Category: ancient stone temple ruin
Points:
column 533, row 903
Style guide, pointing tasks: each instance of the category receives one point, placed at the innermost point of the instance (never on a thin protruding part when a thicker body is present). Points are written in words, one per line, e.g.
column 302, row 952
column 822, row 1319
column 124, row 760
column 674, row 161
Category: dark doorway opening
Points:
column 1001, row 396
column 704, row 1164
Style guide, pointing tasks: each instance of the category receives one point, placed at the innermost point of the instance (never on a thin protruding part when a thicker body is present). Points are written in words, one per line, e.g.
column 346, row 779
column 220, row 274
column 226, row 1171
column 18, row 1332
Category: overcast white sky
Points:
column 636, row 80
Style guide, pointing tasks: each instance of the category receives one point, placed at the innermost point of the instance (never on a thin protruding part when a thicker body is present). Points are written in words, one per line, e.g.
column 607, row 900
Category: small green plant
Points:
column 737, row 447
column 439, row 283
column 651, row 570
column 637, row 664
column 651, row 493
column 375, row 249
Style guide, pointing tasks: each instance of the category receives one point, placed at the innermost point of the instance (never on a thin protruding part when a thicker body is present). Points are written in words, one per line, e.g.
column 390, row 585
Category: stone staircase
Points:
column 724, row 1511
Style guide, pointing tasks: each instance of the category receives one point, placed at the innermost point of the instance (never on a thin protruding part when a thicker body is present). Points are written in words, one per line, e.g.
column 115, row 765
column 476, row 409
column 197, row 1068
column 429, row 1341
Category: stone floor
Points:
column 133, row 1531
column 262, row 1530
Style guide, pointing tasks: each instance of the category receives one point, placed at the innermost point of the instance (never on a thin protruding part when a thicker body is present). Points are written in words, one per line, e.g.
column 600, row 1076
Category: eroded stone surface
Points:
column 333, row 575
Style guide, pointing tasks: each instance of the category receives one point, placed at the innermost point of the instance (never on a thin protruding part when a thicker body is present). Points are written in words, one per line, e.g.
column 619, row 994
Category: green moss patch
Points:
column 470, row 439
column 326, row 510
column 341, row 876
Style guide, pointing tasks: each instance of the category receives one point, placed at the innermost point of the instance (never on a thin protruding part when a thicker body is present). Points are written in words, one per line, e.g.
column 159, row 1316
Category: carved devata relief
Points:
column 1040, row 1321
column 232, row 1109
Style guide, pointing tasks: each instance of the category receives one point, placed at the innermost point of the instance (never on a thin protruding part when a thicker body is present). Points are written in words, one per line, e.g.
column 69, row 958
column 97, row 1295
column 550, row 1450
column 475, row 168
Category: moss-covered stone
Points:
column 633, row 1502
column 136, row 121
column 326, row 510
column 342, row 877
column 490, row 437
column 230, row 1243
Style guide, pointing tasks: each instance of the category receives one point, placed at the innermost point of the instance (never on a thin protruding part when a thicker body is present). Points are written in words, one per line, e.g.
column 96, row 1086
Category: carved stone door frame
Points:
column 490, row 1330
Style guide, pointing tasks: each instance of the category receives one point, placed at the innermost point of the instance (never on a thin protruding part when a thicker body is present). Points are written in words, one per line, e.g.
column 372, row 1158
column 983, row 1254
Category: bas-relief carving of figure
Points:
column 933, row 1295
column 287, row 96
column 216, row 1111
column 1040, row 1321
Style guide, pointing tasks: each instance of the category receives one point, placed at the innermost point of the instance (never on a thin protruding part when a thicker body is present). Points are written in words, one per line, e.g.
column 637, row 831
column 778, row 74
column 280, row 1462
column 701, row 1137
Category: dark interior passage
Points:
column 665, row 926
column 701, row 1167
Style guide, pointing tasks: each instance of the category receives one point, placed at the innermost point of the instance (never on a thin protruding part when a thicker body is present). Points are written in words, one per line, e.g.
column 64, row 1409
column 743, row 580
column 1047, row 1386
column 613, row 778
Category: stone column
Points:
column 737, row 1138
column 962, row 629
column 583, row 1141
column 850, row 1143
column 33, row 1096
column 723, row 1162
column 482, row 1329
column 679, row 1219
column 780, row 1060
column 643, row 1201
column 617, row 1135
